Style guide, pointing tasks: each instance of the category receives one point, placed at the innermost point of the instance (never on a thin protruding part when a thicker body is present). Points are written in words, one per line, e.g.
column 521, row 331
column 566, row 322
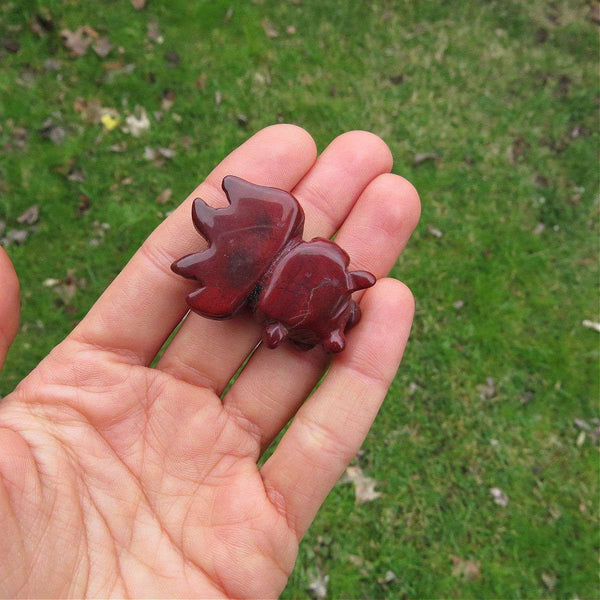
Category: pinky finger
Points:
column 330, row 427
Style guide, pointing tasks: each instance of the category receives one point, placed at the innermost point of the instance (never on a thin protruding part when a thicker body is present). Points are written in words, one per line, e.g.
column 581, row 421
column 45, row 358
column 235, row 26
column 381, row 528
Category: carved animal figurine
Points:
column 256, row 258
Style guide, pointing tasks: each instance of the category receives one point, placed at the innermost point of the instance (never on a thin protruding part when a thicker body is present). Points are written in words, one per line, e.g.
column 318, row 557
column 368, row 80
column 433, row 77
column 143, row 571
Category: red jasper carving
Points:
column 256, row 258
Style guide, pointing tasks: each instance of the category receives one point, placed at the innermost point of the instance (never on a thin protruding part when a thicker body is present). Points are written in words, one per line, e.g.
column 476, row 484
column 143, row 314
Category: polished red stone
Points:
column 256, row 258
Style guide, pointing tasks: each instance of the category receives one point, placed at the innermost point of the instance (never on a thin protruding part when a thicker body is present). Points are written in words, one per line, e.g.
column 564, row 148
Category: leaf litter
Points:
column 466, row 568
column 364, row 486
column 499, row 497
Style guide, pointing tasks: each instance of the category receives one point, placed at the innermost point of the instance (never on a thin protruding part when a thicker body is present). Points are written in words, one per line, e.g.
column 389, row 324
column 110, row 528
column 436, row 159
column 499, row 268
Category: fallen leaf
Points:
column 50, row 282
column 138, row 123
column 242, row 120
column 166, row 152
column 18, row 236
column 53, row 131
column 168, row 98
column 138, row 4
column 51, row 64
column 397, row 79
column 469, row 569
column 458, row 304
column 364, row 487
column 67, row 288
column 228, row 15
column 269, row 29
column 549, row 581
column 500, row 498
column 78, row 41
column 434, row 231
column 164, row 196
column 201, row 82
column 102, row 47
column 539, row 228
column 388, row 578
column 118, row 147
column 582, row 424
column 591, row 325
column 83, row 206
column 42, row 23
column 92, row 111
column 519, row 148
column 172, row 58
column 594, row 14
column 580, row 439
column 218, row 98
column 317, row 586
column 109, row 122
column 290, row 30
column 488, row 389
column 11, row 45
column 150, row 153
column 422, row 157
column 153, row 32
column 30, row 216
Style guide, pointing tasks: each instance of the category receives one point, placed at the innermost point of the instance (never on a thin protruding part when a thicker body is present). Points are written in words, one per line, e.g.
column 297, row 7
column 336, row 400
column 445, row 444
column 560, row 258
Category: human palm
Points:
column 117, row 479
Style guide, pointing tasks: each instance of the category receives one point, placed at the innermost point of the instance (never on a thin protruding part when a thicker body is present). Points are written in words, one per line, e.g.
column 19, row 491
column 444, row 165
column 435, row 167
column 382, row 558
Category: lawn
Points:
column 491, row 110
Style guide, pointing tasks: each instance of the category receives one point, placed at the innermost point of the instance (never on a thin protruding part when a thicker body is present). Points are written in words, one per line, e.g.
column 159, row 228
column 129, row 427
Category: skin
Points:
column 121, row 480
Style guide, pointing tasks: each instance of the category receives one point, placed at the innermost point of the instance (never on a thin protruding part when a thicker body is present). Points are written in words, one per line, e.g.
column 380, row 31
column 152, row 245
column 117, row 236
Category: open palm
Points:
column 117, row 479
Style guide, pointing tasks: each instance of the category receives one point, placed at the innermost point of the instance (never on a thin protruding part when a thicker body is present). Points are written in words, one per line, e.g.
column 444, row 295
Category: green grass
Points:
column 506, row 94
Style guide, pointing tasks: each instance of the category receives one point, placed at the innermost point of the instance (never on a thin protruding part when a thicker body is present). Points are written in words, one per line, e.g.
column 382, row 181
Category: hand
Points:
column 117, row 479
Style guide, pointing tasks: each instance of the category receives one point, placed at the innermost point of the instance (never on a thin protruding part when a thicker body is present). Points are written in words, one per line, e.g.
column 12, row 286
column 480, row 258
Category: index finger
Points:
column 140, row 309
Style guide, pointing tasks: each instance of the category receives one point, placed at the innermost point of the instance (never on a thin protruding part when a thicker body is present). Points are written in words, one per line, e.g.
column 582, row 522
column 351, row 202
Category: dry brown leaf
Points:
column 138, row 123
column 422, row 157
column 30, row 216
column 228, row 15
column 168, row 98
column 201, row 82
column 18, row 236
column 53, row 131
column 549, row 581
column 66, row 288
column 591, row 325
column 469, row 569
column 138, row 4
column 487, row 390
column 153, row 32
column 500, row 498
column 269, row 29
column 317, row 586
column 434, row 231
column 364, row 487
column 164, row 196
column 78, row 41
column 102, row 47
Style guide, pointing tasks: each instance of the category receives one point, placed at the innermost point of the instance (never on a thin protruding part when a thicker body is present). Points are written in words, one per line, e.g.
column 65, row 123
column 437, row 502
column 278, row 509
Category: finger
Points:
column 274, row 384
column 144, row 304
column 330, row 427
column 9, row 304
column 326, row 194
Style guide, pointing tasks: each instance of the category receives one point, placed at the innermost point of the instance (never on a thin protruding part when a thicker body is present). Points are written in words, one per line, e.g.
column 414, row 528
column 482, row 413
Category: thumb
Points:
column 9, row 304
